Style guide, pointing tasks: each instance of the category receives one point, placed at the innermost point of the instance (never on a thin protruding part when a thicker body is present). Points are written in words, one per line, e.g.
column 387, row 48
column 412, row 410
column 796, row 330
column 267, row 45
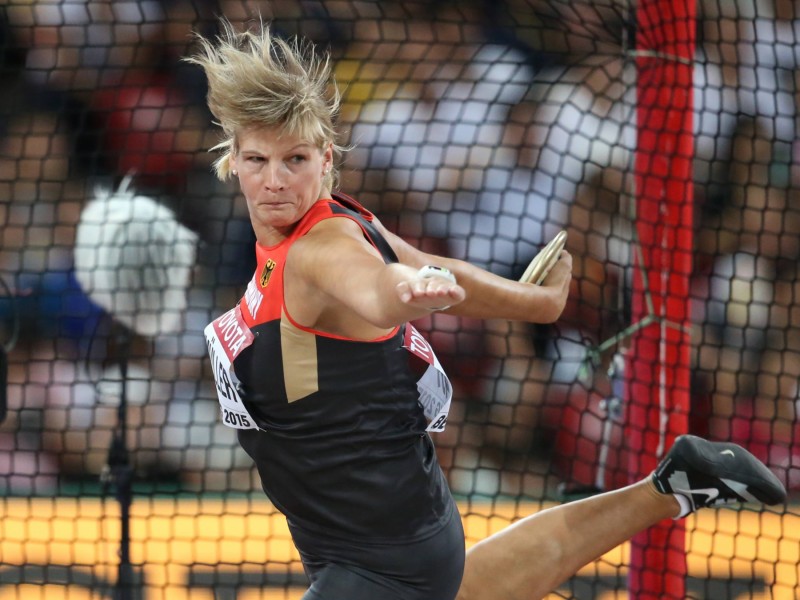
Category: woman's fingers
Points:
column 430, row 292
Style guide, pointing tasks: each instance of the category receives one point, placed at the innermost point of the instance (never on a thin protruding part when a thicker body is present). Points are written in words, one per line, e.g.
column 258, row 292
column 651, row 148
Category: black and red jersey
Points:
column 338, row 433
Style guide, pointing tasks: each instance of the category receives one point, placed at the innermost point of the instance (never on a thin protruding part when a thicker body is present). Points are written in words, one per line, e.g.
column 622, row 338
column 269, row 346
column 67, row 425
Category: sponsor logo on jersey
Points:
column 253, row 297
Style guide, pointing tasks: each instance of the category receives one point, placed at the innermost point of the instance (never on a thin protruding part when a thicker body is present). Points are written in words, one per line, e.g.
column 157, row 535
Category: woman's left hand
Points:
column 431, row 292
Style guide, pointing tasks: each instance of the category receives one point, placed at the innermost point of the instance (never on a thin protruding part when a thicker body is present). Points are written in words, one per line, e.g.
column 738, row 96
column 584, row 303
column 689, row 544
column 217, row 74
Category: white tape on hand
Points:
column 434, row 271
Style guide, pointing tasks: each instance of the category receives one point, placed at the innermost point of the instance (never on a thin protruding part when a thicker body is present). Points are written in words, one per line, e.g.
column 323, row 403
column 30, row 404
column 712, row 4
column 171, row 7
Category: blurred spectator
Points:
column 442, row 117
column 44, row 302
column 113, row 70
column 748, row 223
column 81, row 60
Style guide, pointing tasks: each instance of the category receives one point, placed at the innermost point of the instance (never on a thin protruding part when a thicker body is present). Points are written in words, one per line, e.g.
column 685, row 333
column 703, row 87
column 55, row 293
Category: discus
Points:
column 545, row 260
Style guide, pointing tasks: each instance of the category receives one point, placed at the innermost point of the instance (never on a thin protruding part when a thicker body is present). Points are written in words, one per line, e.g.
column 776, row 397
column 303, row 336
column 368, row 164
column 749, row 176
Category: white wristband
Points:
column 434, row 271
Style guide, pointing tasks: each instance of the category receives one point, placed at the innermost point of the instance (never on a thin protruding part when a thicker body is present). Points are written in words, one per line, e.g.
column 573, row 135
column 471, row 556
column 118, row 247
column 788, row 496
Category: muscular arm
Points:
column 336, row 281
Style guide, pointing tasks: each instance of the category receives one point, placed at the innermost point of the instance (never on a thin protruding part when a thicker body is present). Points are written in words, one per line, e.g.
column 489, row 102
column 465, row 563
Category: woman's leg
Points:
column 533, row 556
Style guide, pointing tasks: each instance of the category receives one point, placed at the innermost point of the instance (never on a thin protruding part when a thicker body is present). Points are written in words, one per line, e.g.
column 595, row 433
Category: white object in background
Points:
column 134, row 259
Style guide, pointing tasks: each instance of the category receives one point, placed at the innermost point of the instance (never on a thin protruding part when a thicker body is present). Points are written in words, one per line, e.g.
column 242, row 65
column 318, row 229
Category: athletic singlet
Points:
column 336, row 427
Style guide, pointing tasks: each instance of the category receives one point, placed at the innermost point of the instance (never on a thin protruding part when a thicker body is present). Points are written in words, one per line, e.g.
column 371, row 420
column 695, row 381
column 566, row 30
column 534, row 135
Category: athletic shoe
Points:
column 709, row 474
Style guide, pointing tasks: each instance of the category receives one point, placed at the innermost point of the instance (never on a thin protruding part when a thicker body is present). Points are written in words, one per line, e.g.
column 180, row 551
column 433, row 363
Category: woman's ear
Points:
column 234, row 169
column 233, row 156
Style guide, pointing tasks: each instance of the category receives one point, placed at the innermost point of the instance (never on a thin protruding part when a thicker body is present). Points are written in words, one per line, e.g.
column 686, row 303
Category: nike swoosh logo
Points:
column 712, row 493
column 728, row 452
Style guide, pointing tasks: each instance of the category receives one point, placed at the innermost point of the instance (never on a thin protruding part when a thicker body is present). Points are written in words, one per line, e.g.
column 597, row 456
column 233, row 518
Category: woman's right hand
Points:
column 559, row 279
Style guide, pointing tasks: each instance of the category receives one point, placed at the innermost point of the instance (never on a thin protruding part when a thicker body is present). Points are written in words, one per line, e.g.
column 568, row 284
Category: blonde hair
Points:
column 256, row 79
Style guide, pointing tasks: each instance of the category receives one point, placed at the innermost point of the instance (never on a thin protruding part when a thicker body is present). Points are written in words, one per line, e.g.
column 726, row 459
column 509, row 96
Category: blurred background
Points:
column 478, row 129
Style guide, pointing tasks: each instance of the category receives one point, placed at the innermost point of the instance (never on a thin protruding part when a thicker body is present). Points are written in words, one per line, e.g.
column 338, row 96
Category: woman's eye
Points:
column 255, row 159
column 298, row 158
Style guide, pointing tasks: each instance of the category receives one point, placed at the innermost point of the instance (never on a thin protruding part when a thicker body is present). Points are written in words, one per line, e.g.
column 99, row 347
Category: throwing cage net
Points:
column 660, row 135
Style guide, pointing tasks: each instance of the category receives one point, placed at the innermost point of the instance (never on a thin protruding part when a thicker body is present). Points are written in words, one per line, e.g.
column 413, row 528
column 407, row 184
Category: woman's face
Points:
column 281, row 177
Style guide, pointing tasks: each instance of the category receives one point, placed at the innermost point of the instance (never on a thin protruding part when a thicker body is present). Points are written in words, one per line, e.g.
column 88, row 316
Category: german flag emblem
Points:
column 267, row 272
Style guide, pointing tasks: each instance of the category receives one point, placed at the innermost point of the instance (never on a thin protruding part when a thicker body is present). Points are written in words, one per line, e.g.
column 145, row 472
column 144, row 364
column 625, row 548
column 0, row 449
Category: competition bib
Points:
column 226, row 337
column 435, row 389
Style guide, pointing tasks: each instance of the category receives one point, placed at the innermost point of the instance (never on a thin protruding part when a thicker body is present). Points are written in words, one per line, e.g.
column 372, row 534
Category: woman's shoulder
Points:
column 337, row 205
column 328, row 226
column 351, row 203
column 327, row 209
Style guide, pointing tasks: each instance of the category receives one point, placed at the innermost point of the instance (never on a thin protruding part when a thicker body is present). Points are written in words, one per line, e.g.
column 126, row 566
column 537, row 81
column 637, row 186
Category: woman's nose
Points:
column 273, row 178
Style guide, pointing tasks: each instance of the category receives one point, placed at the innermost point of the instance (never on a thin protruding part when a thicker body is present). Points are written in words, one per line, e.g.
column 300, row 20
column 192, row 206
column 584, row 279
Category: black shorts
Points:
column 430, row 569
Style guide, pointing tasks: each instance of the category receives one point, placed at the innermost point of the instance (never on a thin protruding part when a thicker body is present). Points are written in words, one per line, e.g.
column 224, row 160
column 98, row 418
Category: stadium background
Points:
column 479, row 129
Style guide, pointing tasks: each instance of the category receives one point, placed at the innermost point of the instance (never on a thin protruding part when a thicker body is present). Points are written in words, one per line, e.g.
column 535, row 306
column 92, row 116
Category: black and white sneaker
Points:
column 706, row 474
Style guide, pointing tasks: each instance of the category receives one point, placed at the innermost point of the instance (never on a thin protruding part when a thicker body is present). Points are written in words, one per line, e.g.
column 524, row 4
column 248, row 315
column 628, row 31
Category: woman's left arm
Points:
column 489, row 296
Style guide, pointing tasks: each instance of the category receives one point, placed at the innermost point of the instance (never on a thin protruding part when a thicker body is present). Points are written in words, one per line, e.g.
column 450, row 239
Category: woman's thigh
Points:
column 337, row 582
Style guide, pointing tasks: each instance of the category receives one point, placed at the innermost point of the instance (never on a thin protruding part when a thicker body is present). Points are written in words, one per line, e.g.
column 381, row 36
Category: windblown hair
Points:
column 256, row 79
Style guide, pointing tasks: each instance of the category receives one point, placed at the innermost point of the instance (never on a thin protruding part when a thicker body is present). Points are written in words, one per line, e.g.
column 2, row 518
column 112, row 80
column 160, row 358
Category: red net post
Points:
column 659, row 368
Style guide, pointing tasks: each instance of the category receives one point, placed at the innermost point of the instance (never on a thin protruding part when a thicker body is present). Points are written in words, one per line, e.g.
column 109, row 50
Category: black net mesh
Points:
column 477, row 129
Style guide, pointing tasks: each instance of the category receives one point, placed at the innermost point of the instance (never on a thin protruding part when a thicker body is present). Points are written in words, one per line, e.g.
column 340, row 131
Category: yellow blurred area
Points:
column 171, row 538
column 361, row 81
column 45, row 592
